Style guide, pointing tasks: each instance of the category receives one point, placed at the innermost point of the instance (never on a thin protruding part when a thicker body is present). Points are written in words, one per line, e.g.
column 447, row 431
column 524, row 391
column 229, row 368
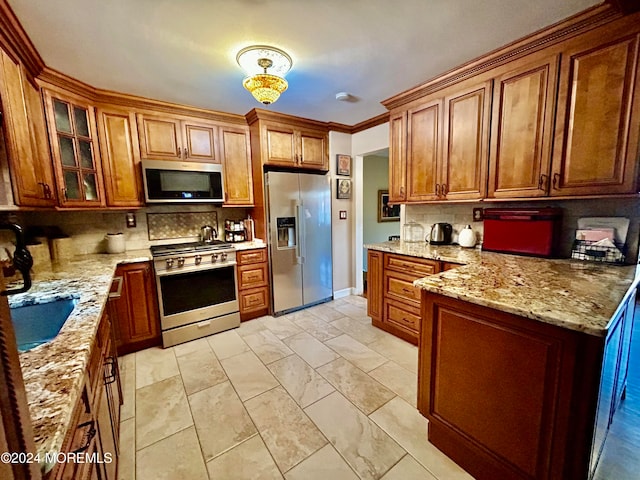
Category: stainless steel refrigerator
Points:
column 299, row 220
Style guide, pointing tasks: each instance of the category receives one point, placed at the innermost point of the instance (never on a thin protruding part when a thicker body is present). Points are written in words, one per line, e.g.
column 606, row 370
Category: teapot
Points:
column 440, row 234
column 208, row 234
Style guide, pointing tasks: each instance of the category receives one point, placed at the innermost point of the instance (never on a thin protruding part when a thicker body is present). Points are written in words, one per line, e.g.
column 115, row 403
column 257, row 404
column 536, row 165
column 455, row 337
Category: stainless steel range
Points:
column 197, row 290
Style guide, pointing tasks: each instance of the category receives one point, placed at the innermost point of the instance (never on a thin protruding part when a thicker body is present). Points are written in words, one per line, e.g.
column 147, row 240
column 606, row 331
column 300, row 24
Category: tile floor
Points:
column 317, row 394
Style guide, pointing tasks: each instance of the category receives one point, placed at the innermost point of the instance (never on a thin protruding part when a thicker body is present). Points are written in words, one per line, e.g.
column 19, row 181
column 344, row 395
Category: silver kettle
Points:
column 440, row 234
column 208, row 234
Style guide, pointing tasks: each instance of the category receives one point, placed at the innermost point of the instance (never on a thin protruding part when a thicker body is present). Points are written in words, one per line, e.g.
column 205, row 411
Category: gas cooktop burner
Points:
column 188, row 247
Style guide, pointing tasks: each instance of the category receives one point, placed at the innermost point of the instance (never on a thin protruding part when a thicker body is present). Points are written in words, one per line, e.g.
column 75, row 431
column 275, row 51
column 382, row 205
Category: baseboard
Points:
column 345, row 292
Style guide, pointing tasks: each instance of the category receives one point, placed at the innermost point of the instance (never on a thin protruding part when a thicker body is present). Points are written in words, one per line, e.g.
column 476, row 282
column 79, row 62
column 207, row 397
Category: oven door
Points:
column 191, row 296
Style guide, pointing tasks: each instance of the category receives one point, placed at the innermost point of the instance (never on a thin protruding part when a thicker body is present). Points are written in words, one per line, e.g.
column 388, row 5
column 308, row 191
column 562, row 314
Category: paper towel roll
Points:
column 61, row 249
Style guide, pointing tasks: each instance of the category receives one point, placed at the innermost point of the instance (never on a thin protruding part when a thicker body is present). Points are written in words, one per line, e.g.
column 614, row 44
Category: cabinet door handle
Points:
column 402, row 191
column 437, row 189
column 296, row 157
column 44, row 189
column 180, row 152
column 544, row 179
column 63, row 192
column 445, row 189
column 91, row 432
column 556, row 180
column 186, row 152
column 110, row 377
column 47, row 191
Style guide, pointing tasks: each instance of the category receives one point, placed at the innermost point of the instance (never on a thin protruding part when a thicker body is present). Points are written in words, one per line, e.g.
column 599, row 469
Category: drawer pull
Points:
column 91, row 432
column 203, row 324
column 110, row 377
column 253, row 301
column 407, row 290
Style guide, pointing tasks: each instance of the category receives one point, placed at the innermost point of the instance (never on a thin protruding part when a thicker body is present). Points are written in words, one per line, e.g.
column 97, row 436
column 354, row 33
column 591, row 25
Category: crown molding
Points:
column 260, row 114
column 16, row 43
column 551, row 35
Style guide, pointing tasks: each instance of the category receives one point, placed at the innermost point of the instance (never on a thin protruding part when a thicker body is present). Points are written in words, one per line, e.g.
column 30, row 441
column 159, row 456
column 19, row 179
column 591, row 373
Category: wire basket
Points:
column 586, row 250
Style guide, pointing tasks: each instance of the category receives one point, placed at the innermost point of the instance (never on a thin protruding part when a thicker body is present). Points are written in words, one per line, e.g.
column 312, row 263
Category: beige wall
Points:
column 342, row 230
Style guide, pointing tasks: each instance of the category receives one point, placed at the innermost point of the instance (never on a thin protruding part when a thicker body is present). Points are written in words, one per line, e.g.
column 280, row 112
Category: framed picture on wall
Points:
column 344, row 188
column 343, row 165
column 386, row 212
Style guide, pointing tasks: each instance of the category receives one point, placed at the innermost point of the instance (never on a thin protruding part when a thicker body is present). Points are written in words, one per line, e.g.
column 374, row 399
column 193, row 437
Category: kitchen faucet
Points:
column 21, row 258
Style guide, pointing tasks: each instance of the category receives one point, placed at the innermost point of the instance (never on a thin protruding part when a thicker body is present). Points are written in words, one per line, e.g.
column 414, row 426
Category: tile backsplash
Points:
column 460, row 215
column 168, row 224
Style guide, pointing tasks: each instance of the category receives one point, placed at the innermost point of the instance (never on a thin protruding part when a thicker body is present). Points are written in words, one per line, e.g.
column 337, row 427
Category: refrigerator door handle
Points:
column 299, row 259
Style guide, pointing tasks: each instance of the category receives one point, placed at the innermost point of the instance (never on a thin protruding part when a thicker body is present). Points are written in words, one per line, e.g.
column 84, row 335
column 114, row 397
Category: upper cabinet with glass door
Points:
column 74, row 145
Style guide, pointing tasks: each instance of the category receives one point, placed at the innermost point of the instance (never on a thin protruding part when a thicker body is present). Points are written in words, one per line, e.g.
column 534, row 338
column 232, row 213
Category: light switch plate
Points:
column 478, row 215
column 343, row 214
column 131, row 220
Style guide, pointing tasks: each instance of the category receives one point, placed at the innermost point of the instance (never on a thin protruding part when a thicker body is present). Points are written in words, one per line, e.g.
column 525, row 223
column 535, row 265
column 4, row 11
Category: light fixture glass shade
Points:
column 265, row 88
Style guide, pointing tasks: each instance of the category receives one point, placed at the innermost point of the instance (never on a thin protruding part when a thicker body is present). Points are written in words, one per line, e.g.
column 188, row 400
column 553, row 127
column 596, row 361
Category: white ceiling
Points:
column 184, row 51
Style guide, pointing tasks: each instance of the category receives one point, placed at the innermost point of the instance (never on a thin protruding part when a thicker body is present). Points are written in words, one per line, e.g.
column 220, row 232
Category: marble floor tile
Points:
column 220, row 418
column 127, row 457
column 282, row 327
column 161, row 410
column 403, row 353
column 317, row 327
column 200, row 369
column 227, row 344
column 356, row 300
column 287, row 432
column 351, row 310
column 325, row 312
column 192, row 346
column 128, row 380
column 301, row 381
column 248, row 461
column 409, row 428
column 357, row 353
column 248, row 375
column 251, row 326
column 155, row 364
column 311, row 350
column 160, row 461
column 408, row 469
column 401, row 381
column 362, row 390
column 366, row 447
column 267, row 346
column 325, row 464
column 363, row 332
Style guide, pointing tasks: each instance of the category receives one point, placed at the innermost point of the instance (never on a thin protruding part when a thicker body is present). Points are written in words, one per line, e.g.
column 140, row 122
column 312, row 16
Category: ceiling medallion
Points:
column 265, row 68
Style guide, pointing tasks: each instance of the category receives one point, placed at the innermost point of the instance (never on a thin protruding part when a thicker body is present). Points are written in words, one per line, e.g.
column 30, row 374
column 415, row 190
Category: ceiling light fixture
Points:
column 265, row 86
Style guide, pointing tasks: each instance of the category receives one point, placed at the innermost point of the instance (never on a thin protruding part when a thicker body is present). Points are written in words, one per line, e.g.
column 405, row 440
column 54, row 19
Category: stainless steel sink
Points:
column 40, row 322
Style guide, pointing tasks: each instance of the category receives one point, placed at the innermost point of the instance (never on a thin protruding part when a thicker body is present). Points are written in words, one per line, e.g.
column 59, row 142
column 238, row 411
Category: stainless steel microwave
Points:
column 182, row 182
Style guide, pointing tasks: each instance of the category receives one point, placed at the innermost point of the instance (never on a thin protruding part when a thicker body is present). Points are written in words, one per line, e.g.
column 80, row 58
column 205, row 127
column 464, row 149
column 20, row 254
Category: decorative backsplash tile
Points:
column 163, row 226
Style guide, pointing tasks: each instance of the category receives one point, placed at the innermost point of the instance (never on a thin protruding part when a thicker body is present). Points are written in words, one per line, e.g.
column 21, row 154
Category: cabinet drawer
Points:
column 254, row 299
column 251, row 256
column 251, row 276
column 404, row 316
column 411, row 265
column 400, row 287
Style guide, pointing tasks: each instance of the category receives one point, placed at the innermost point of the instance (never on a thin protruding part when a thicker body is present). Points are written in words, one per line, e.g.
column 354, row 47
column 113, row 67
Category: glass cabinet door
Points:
column 76, row 151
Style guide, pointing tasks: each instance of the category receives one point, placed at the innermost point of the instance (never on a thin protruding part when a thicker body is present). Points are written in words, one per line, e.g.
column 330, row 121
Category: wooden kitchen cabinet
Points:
column 253, row 283
column 442, row 148
column 74, row 144
column 521, row 131
column 177, row 138
column 118, row 136
column 235, row 151
column 375, row 268
column 393, row 303
column 26, row 142
column 596, row 137
column 291, row 142
column 135, row 310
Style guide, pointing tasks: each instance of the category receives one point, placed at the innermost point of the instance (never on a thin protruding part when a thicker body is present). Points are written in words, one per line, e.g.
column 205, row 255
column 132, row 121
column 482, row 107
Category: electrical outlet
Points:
column 477, row 214
column 131, row 220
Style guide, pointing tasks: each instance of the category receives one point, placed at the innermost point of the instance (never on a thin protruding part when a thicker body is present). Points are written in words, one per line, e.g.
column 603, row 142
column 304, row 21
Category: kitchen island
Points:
column 522, row 360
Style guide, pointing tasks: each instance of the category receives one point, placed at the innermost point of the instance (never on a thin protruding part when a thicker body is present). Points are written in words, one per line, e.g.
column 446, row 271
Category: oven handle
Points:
column 178, row 271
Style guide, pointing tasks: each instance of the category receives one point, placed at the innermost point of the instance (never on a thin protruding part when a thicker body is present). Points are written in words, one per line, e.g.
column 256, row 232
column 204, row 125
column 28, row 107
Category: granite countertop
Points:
column 572, row 294
column 53, row 372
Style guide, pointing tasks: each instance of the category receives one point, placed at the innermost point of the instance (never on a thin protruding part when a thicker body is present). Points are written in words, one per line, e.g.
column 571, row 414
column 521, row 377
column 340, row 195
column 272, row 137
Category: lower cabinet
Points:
column 134, row 309
column 393, row 301
column 512, row 398
column 253, row 283
column 95, row 424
